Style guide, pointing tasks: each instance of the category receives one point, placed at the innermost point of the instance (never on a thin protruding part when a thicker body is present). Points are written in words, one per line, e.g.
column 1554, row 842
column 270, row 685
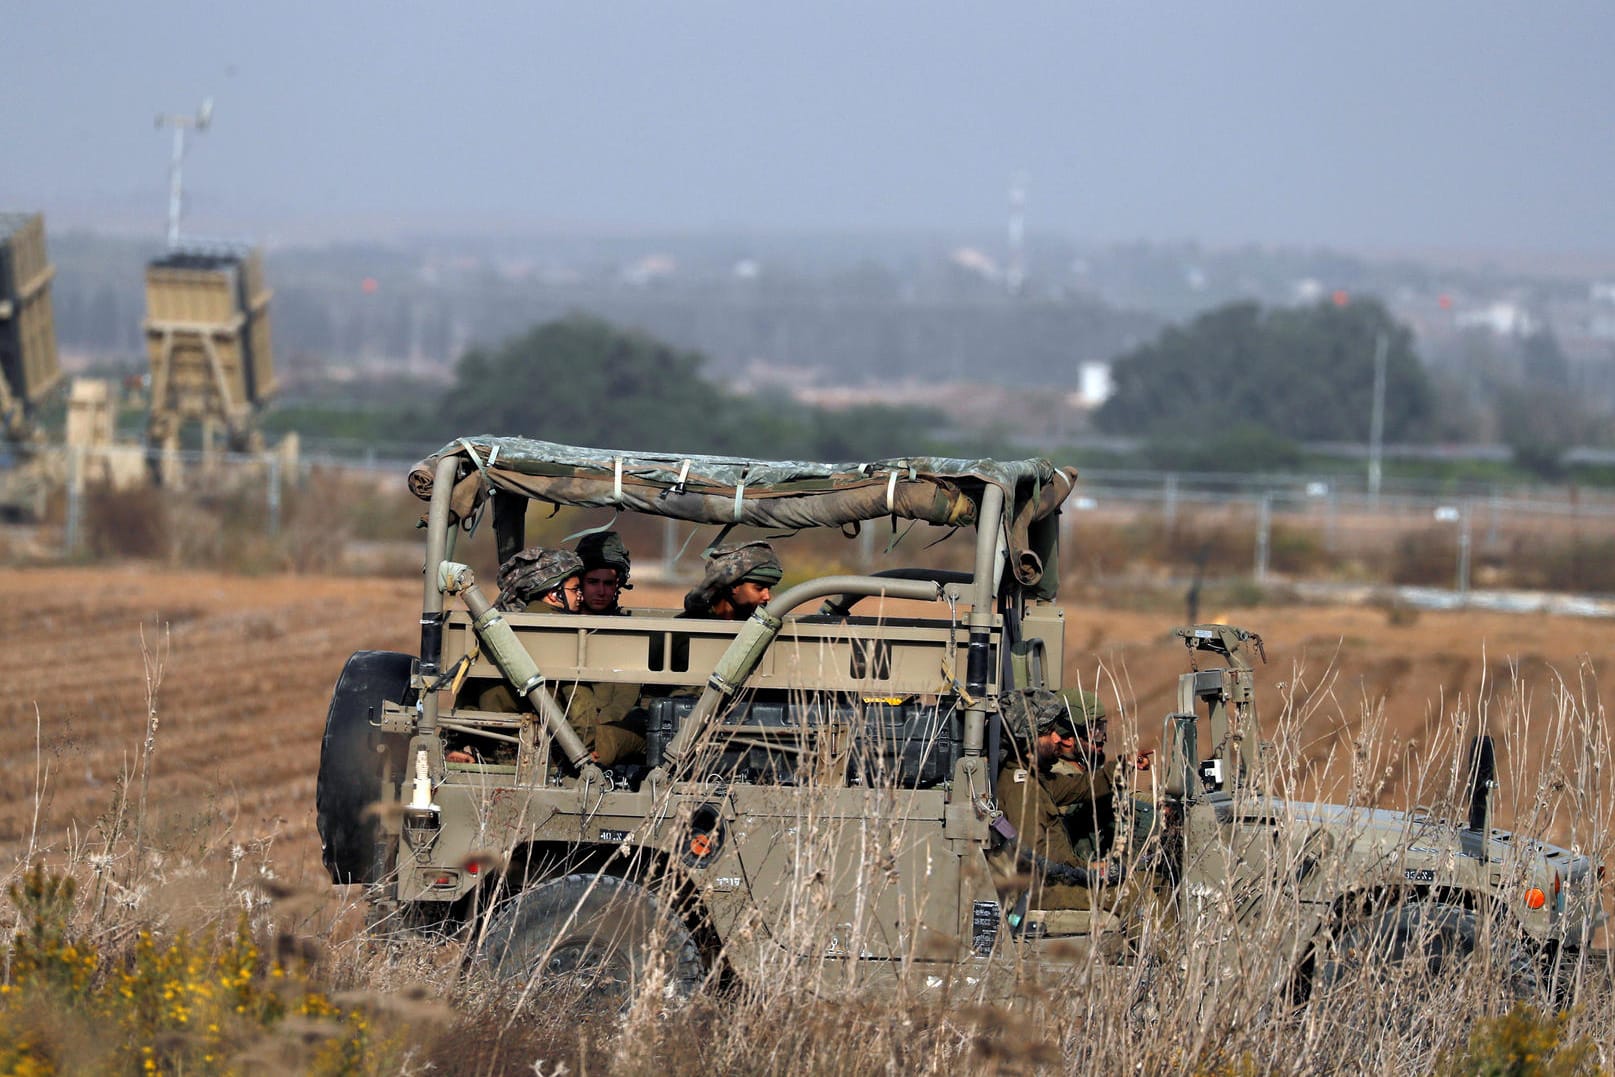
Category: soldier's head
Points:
column 1087, row 717
column 606, row 567
column 538, row 575
column 1036, row 719
column 739, row 578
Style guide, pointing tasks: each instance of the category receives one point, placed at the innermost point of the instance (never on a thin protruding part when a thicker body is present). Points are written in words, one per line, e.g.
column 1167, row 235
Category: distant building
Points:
column 1601, row 318
column 1502, row 317
column 1094, row 383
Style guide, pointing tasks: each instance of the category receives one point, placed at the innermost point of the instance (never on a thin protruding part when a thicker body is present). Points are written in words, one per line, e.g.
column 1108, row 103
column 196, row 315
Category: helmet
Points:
column 534, row 573
column 1086, row 707
column 1031, row 712
column 604, row 549
column 754, row 562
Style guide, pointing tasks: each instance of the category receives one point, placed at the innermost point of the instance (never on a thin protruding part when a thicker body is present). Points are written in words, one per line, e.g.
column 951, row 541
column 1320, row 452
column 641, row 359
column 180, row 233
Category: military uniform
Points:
column 609, row 719
column 1039, row 828
column 602, row 714
column 1086, row 805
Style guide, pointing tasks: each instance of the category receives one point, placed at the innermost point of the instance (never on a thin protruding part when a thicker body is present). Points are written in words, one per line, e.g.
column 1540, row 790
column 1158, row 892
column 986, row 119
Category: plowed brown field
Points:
column 247, row 665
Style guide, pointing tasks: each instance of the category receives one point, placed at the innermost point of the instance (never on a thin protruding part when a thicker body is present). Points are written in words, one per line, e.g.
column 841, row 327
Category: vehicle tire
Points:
column 355, row 759
column 594, row 939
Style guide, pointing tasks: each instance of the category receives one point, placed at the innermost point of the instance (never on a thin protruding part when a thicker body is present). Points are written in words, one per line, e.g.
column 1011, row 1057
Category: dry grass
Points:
column 163, row 916
column 1359, row 709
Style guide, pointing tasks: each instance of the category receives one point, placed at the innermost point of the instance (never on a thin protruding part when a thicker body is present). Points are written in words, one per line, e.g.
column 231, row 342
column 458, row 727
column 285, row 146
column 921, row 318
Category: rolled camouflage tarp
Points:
column 760, row 493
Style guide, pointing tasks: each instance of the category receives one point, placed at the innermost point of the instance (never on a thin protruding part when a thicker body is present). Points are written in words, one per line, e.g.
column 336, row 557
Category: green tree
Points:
column 1243, row 447
column 1304, row 373
column 1540, row 424
column 1543, row 362
column 583, row 381
column 580, row 380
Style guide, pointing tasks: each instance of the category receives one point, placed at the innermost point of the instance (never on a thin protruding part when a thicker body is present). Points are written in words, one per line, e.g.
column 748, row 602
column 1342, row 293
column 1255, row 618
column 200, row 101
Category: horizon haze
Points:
column 1376, row 127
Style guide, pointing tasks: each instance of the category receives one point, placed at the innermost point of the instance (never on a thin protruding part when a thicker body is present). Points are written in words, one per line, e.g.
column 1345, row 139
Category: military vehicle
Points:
column 818, row 786
column 29, row 370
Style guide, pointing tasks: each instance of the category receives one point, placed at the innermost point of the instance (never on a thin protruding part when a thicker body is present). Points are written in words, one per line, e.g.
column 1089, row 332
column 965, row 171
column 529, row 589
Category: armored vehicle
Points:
column 818, row 785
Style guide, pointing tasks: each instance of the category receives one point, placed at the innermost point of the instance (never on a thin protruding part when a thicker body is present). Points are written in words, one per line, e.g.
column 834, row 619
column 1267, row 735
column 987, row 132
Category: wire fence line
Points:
column 1496, row 523
column 1334, row 515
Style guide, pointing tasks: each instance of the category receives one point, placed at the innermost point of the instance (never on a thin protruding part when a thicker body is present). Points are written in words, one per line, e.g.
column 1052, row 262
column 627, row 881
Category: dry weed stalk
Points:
column 153, row 658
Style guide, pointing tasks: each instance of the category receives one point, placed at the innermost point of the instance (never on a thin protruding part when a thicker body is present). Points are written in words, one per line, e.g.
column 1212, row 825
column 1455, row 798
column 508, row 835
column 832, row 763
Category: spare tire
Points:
column 356, row 758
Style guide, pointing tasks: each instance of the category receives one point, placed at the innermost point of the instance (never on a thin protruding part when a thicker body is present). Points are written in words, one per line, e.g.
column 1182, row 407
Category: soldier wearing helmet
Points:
column 541, row 580
column 1079, row 781
column 1036, row 723
column 547, row 577
column 739, row 578
column 606, row 568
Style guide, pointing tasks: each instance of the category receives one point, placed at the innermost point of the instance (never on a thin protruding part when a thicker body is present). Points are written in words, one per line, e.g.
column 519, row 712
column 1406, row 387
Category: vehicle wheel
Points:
column 1420, row 940
column 593, row 938
column 355, row 759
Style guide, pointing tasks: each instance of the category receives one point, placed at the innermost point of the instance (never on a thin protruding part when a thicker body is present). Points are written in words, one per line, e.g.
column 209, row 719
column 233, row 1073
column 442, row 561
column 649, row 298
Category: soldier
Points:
column 1081, row 783
column 537, row 574
column 606, row 716
column 606, row 567
column 739, row 578
column 1039, row 843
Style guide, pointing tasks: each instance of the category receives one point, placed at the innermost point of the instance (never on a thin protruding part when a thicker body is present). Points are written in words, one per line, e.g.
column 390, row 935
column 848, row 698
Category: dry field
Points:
column 246, row 665
column 233, row 675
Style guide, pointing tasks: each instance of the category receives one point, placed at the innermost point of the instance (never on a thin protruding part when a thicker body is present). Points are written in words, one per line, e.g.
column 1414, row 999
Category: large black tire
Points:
column 355, row 759
column 593, row 939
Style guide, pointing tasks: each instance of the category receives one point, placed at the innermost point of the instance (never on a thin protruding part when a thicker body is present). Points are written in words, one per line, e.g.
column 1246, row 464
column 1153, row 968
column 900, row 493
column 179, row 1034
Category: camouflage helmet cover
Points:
column 730, row 565
column 534, row 572
column 1086, row 707
column 605, row 549
column 1031, row 712
column 740, row 562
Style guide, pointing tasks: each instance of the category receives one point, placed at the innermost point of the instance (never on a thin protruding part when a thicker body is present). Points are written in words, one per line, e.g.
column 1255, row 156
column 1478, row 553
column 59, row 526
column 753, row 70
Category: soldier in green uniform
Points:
column 1039, row 844
column 1082, row 783
column 606, row 569
column 739, row 578
column 606, row 716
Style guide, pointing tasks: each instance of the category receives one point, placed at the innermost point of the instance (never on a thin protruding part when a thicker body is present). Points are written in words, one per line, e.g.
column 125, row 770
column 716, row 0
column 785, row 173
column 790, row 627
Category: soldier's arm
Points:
column 1068, row 788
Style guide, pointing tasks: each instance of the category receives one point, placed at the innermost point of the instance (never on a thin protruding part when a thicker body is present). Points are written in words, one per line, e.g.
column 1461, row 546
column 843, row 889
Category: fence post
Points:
column 1264, row 525
column 75, row 499
column 274, row 492
column 1169, row 500
column 1463, row 551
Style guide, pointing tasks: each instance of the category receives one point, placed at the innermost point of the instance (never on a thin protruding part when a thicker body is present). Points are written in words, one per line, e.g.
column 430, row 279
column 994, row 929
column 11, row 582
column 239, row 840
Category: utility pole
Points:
column 1015, row 269
column 180, row 124
column 1376, row 423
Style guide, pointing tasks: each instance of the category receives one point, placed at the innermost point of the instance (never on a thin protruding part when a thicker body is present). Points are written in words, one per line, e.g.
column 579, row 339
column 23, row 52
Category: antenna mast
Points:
column 180, row 124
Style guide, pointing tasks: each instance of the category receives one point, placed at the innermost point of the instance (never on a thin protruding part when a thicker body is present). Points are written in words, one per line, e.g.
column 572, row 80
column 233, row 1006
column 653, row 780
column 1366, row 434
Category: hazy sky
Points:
column 1371, row 124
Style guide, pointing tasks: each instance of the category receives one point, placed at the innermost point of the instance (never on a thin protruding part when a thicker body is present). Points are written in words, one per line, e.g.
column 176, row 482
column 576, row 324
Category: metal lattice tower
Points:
column 176, row 164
